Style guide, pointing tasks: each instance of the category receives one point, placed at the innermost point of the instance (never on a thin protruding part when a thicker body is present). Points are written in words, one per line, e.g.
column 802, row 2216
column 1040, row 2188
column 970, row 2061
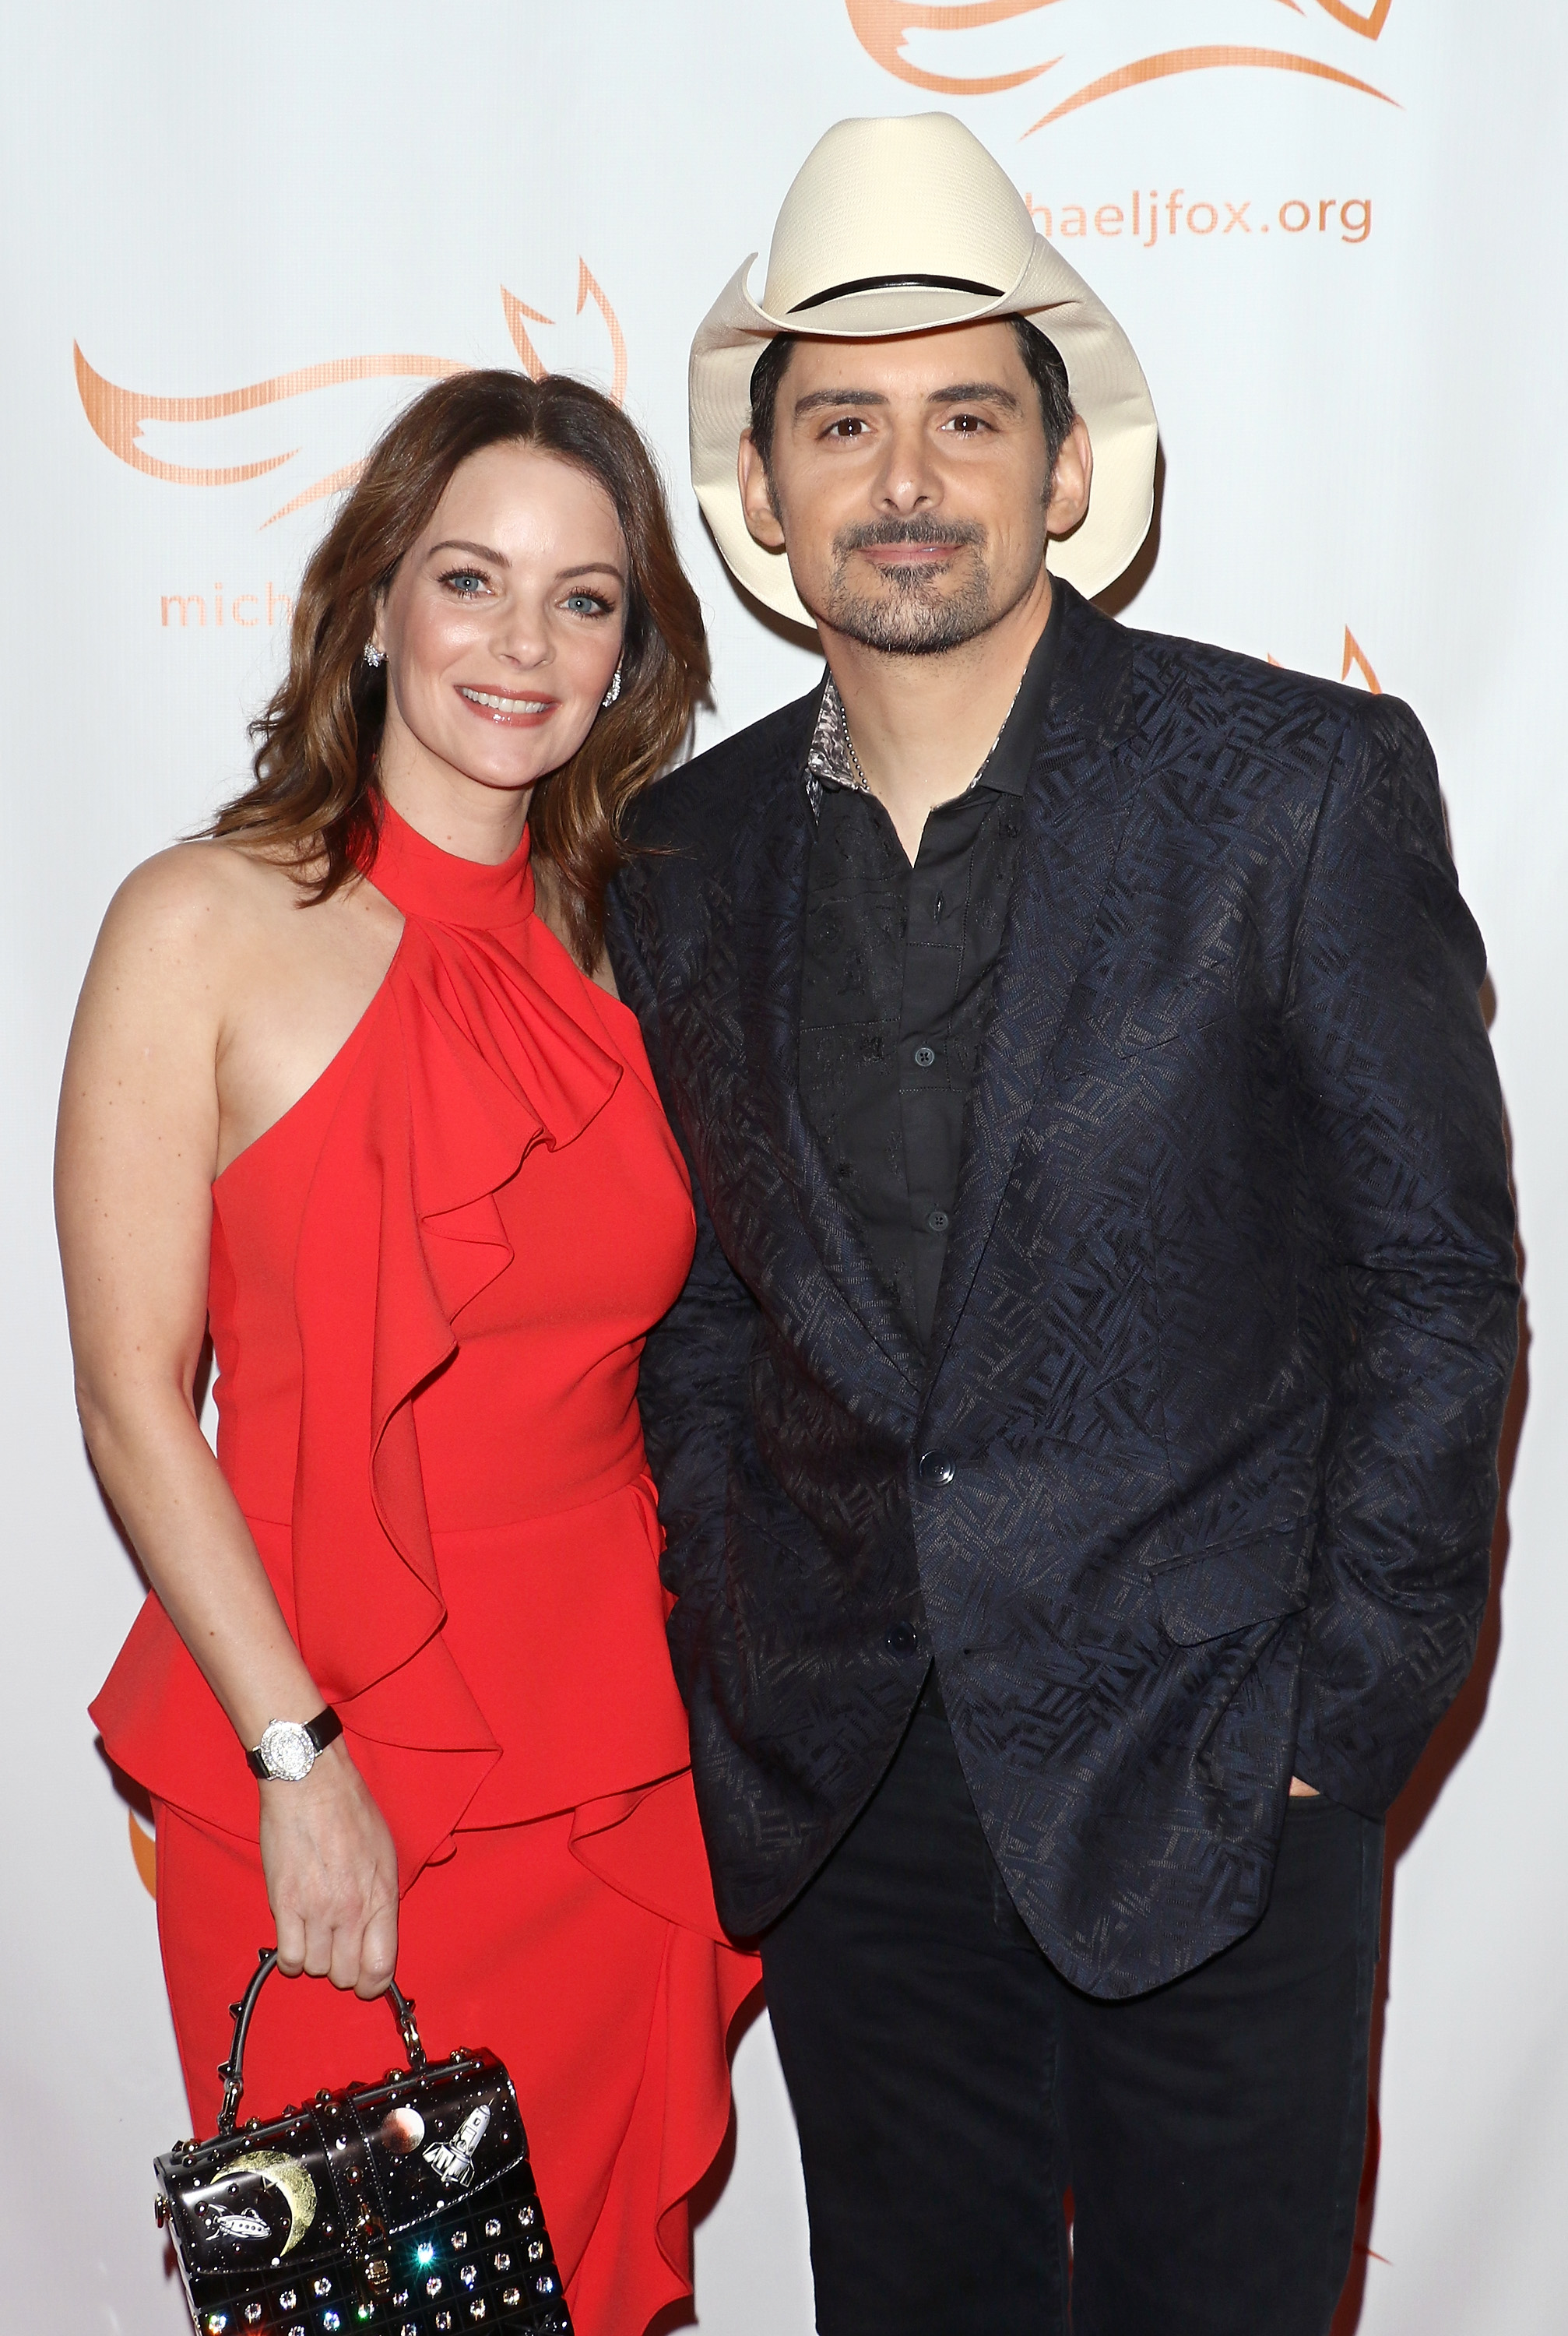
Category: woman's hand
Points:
column 331, row 1876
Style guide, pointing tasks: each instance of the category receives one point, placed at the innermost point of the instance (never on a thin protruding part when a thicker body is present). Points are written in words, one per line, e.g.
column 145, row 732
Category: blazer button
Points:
column 936, row 1468
column 901, row 1639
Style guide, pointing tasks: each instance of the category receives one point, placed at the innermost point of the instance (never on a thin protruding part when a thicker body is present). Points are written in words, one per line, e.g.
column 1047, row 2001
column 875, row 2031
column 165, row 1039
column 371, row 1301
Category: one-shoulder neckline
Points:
column 429, row 886
column 420, row 880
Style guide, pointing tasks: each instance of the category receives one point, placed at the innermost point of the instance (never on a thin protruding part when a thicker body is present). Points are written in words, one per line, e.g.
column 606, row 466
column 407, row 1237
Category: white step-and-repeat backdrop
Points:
column 234, row 238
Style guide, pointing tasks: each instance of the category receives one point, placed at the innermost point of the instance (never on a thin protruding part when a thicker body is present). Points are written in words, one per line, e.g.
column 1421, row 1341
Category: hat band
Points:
column 895, row 284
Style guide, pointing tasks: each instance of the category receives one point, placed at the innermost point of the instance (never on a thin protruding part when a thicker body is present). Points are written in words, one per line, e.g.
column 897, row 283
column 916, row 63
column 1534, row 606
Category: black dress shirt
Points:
column 898, row 972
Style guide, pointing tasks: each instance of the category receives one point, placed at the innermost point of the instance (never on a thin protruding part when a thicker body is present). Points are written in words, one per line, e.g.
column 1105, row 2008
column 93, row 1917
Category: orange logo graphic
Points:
column 117, row 414
column 882, row 28
column 1371, row 24
column 144, row 1851
column 1355, row 654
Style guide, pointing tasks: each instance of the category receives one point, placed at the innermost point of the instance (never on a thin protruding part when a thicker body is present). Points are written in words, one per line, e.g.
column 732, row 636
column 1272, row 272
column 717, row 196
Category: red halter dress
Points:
column 430, row 1282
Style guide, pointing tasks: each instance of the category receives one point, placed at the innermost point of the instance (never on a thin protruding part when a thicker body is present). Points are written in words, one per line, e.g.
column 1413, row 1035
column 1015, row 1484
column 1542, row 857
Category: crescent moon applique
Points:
column 285, row 2174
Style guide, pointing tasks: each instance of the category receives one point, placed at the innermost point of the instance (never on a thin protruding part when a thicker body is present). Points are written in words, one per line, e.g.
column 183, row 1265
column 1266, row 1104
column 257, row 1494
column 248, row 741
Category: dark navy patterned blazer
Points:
column 1197, row 1482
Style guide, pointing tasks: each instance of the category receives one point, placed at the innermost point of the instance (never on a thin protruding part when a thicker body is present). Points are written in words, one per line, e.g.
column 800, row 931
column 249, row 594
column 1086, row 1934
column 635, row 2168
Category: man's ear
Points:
column 756, row 496
column 1070, row 482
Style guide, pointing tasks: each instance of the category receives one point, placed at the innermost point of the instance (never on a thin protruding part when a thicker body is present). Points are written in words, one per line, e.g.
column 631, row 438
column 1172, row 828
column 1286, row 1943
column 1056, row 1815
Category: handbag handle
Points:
column 232, row 2070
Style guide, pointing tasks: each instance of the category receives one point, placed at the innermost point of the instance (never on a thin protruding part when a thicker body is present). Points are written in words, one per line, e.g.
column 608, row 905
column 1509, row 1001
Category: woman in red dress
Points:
column 350, row 1089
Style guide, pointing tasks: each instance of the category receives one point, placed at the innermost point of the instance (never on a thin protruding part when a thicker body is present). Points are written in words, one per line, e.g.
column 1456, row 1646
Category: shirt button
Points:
column 924, row 1057
column 937, row 1222
column 901, row 1639
column 936, row 1468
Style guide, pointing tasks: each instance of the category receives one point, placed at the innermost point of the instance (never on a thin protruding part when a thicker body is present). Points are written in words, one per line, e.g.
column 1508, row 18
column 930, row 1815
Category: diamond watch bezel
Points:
column 286, row 1751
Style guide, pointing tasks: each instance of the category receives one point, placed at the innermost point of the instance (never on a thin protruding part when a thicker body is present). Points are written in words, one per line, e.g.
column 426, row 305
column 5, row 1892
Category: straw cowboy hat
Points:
column 902, row 225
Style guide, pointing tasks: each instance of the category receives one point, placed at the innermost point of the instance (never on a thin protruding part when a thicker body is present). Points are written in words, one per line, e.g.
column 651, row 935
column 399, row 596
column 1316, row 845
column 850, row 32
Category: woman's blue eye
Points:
column 587, row 604
column 465, row 582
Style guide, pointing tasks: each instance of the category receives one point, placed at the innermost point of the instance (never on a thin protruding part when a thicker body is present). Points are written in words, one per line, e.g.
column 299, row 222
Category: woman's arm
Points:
column 137, row 1153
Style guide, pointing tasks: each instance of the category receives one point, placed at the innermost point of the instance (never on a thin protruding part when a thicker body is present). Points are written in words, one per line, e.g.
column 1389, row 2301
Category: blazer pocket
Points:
column 1234, row 1585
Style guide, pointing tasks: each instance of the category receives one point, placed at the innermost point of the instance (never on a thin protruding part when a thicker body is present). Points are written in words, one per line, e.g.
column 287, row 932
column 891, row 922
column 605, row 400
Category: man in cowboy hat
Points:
column 1076, row 1441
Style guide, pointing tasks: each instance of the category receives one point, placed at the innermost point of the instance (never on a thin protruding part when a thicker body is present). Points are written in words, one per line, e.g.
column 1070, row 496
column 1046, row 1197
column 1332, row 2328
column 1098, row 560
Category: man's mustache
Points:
column 922, row 528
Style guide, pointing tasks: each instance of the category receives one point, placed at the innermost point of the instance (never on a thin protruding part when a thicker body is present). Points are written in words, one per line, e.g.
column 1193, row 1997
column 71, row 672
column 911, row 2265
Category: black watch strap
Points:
column 323, row 1730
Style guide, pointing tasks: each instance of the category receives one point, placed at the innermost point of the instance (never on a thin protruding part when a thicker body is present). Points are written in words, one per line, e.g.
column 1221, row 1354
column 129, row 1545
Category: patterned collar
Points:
column 829, row 762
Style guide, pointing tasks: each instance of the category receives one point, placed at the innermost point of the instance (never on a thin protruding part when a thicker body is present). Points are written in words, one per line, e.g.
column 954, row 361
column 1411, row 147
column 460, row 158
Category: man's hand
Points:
column 331, row 1876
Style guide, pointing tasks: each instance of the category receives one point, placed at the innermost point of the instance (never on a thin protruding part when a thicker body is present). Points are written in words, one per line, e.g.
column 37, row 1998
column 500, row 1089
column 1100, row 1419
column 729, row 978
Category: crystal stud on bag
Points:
column 407, row 2206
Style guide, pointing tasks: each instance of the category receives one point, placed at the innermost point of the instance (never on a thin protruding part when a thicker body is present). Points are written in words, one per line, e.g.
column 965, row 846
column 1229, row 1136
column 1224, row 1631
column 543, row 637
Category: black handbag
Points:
column 407, row 2206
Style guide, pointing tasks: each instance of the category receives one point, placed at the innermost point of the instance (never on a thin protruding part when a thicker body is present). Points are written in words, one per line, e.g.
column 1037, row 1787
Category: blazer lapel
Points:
column 1075, row 804
column 844, row 1295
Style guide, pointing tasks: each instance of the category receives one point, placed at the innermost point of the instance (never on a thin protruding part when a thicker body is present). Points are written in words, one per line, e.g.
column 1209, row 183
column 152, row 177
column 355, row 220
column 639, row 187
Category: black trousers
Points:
column 950, row 2087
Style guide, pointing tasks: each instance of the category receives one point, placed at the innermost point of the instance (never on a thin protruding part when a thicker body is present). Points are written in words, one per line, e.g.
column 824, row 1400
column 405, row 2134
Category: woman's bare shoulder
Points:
column 185, row 926
column 207, row 892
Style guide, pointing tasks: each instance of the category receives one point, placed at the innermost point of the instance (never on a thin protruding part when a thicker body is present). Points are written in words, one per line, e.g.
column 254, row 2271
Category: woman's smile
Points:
column 507, row 707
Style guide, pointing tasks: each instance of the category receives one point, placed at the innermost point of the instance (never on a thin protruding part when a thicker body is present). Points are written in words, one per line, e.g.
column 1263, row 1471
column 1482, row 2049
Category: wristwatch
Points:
column 287, row 1752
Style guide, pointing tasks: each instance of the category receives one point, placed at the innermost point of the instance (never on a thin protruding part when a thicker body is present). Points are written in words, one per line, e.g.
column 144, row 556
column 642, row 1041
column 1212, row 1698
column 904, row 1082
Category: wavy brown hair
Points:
column 315, row 792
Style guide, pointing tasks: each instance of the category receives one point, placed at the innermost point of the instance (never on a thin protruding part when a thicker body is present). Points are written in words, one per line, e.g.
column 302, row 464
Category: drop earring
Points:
column 373, row 655
column 613, row 692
